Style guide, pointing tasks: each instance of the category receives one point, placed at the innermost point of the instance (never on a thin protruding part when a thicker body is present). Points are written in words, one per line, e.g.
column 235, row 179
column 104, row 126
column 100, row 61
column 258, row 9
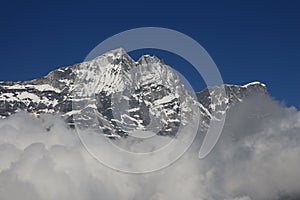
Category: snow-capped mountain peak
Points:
column 123, row 94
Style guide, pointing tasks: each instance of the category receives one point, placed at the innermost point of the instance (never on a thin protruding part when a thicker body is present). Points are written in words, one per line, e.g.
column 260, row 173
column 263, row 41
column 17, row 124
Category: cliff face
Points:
column 121, row 95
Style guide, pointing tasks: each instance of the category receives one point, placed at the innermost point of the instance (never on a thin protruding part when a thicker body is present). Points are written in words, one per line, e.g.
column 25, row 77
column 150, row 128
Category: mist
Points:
column 256, row 158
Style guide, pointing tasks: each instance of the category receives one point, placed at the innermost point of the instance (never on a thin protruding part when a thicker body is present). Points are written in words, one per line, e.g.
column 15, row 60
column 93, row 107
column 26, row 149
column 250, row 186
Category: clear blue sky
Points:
column 248, row 40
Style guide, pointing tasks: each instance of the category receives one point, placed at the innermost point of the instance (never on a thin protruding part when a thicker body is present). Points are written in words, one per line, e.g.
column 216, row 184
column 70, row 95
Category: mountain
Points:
column 116, row 95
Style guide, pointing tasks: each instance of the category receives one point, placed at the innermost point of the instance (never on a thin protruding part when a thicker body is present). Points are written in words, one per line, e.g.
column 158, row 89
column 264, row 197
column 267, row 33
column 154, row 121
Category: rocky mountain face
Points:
column 116, row 95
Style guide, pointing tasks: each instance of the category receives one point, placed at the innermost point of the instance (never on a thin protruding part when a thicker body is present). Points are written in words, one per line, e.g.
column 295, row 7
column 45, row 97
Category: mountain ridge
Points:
column 144, row 94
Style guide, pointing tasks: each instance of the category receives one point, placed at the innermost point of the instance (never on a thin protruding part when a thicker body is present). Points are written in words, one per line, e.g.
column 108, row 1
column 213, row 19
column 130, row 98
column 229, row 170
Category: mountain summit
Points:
column 124, row 95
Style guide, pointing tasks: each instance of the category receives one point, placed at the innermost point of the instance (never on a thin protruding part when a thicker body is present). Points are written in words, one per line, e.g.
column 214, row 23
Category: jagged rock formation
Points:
column 122, row 94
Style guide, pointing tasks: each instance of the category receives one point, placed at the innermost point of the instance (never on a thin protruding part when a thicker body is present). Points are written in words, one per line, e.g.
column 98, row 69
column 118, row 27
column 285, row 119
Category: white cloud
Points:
column 257, row 157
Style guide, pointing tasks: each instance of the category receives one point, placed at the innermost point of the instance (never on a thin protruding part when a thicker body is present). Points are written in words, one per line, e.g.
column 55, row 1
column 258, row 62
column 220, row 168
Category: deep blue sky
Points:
column 248, row 40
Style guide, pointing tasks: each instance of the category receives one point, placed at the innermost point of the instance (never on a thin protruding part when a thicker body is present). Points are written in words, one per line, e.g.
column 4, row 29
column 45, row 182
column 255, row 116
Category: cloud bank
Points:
column 256, row 158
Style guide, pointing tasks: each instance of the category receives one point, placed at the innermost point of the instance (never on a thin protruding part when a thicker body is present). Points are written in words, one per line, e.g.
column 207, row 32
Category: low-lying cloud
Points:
column 256, row 158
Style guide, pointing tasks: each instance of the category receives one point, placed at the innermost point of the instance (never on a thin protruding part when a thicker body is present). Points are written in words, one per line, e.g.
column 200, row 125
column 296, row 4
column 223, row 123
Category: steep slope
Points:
column 115, row 95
